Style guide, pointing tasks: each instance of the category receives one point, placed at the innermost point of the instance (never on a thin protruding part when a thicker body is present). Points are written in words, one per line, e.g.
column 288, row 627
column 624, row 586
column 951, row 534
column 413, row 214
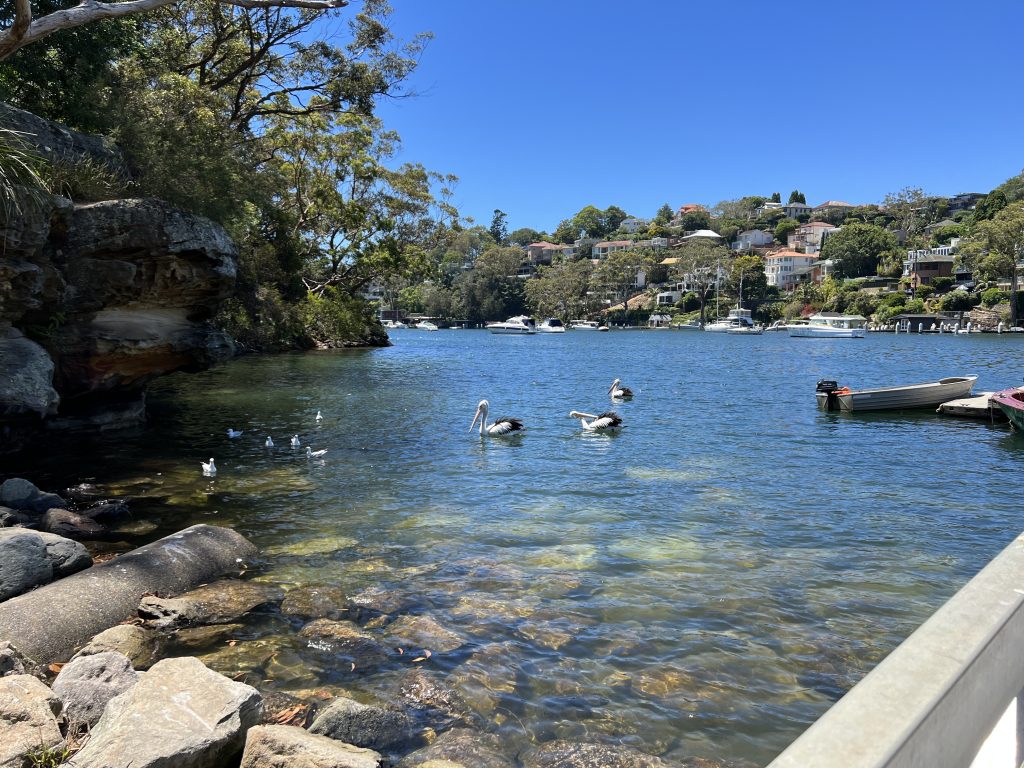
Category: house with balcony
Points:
column 752, row 238
column 793, row 210
column 784, row 268
column 964, row 201
column 602, row 249
column 924, row 265
column 632, row 225
column 809, row 237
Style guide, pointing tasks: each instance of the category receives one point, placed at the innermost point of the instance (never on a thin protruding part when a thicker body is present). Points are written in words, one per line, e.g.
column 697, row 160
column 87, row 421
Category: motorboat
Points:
column 689, row 325
column 738, row 318
column 520, row 325
column 551, row 325
column 832, row 397
column 1011, row 403
column 393, row 325
column 585, row 325
column 745, row 330
column 830, row 325
column 425, row 325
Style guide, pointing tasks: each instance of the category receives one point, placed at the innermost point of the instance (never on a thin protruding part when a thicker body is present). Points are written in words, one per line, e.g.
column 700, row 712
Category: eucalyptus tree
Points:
column 561, row 290
column 698, row 266
column 616, row 274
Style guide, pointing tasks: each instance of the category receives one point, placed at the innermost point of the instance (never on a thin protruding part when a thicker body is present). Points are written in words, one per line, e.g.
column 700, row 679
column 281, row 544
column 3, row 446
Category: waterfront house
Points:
column 810, row 237
column 783, row 267
column 689, row 208
column 924, row 265
column 752, row 238
column 540, row 252
column 767, row 207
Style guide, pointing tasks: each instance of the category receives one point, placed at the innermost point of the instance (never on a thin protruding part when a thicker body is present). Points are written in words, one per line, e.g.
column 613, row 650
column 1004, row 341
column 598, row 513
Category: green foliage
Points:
column 688, row 302
column 990, row 205
column 695, row 220
column 664, row 214
column 942, row 284
column 992, row 296
column 335, row 315
column 524, row 236
column 796, row 196
column 924, row 291
column 958, row 301
column 498, row 228
column 22, row 184
column 85, row 180
column 943, row 235
column 561, row 291
column 914, row 307
column 856, row 249
column 785, row 228
column 776, row 197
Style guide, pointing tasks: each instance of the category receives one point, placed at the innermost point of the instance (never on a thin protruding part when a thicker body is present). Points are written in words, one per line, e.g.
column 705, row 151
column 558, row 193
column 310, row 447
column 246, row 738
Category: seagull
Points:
column 209, row 470
column 295, row 442
column 502, row 426
column 311, row 454
column 234, row 432
column 618, row 392
column 319, row 417
column 609, row 421
column 269, row 443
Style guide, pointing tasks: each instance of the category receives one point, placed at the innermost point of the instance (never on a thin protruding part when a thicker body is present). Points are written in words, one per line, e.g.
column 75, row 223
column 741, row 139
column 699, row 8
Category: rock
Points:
column 423, row 632
column 219, row 603
column 567, row 754
column 364, row 725
column 284, row 746
column 14, row 662
column 318, row 602
column 346, row 640
column 28, row 716
column 10, row 518
column 24, row 562
column 460, row 746
column 27, row 384
column 67, row 556
column 17, row 492
column 139, row 644
column 201, row 638
column 377, row 601
column 65, row 523
column 179, row 713
column 106, row 511
column 432, row 699
column 86, row 683
column 46, row 501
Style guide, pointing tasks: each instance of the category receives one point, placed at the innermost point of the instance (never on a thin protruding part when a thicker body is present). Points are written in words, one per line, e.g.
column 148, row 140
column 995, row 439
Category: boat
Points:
column 689, row 325
column 738, row 318
column 830, row 325
column 394, row 325
column 745, row 330
column 584, row 325
column 1011, row 402
column 551, row 325
column 520, row 325
column 425, row 325
column 980, row 406
column 832, row 397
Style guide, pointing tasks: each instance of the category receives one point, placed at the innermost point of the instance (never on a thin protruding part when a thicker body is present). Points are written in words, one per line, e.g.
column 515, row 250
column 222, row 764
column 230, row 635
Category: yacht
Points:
column 520, row 325
column 830, row 325
column 551, row 325
column 425, row 325
column 394, row 324
column 584, row 325
column 738, row 318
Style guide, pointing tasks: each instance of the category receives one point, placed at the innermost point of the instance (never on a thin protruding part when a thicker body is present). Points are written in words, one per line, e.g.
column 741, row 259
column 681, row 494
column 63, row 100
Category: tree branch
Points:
column 25, row 31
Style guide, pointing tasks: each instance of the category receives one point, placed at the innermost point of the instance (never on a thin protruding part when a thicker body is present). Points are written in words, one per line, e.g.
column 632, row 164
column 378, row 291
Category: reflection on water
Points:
column 705, row 583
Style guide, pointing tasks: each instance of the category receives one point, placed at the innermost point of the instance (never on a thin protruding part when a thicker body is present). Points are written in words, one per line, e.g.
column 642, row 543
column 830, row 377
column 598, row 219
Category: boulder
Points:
column 27, row 384
column 10, row 518
column 460, row 747
column 430, row 698
column 65, row 555
column 64, row 522
column 86, row 683
column 24, row 562
column 106, row 511
column 180, row 713
column 285, row 746
column 423, row 632
column 201, row 638
column 346, row 640
column 14, row 662
column 16, row 491
column 28, row 717
column 139, row 644
column 316, row 602
column 568, row 754
column 374, row 602
column 364, row 725
column 219, row 603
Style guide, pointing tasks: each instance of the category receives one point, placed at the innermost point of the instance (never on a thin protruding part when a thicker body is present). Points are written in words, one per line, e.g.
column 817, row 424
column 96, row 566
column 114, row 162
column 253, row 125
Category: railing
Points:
column 935, row 700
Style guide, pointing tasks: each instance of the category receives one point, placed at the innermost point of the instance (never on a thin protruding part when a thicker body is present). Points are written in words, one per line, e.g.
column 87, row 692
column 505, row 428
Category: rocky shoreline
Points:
column 144, row 690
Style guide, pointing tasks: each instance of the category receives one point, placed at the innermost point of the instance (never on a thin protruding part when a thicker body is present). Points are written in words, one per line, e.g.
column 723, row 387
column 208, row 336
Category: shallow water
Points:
column 705, row 583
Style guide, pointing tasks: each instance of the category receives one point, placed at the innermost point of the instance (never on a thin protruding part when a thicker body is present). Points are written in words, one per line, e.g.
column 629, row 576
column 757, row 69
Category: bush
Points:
column 924, row 291
column 992, row 296
column 958, row 301
column 688, row 302
column 335, row 320
column 942, row 284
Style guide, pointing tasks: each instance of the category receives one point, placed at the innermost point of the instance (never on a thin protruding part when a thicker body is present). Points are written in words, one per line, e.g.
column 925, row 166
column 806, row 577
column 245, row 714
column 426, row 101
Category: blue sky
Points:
column 541, row 108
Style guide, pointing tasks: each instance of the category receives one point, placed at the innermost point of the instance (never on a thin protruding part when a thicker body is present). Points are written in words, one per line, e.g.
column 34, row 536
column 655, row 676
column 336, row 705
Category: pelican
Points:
column 269, row 443
column 619, row 393
column 209, row 470
column 295, row 442
column 234, row 432
column 311, row 454
column 501, row 427
column 608, row 421
column 319, row 417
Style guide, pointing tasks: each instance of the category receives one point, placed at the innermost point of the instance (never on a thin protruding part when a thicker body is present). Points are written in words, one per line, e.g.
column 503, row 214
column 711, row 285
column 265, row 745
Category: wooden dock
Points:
column 977, row 407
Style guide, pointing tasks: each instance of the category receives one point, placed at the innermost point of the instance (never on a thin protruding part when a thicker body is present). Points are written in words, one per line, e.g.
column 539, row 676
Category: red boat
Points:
column 1011, row 402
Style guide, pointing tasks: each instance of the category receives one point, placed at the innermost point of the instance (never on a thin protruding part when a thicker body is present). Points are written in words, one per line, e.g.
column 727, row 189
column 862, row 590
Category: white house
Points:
column 809, row 237
column 632, row 225
column 752, row 238
column 782, row 268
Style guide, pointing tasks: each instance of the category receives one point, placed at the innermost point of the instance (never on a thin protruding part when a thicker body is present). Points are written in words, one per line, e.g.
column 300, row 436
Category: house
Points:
column 832, row 206
column 810, row 237
column 632, row 225
column 752, row 238
column 964, row 201
column 924, row 265
column 792, row 210
column 767, row 207
column 541, row 252
column 689, row 208
column 602, row 249
column 782, row 267
column 931, row 229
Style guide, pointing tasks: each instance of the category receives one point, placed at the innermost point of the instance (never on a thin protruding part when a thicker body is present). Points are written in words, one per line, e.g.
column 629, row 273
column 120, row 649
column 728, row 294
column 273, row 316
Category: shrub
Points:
column 992, row 296
column 942, row 284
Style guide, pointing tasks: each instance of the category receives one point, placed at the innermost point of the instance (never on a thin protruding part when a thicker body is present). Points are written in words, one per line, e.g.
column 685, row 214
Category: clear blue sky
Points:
column 541, row 108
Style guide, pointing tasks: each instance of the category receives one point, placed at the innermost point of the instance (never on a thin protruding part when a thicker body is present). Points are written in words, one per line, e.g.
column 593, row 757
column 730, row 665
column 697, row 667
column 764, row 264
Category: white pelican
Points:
column 269, row 443
column 311, row 454
column 618, row 392
column 502, row 426
column 319, row 417
column 295, row 442
column 234, row 432
column 209, row 470
column 609, row 421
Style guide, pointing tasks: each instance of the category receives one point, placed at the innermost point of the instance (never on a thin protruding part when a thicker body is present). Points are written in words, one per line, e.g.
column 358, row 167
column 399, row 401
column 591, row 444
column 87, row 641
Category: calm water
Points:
column 705, row 583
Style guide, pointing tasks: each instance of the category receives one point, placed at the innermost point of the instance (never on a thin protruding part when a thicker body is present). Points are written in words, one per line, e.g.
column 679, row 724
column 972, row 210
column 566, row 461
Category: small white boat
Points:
column 425, row 325
column 520, row 325
column 745, row 330
column 738, row 318
column 832, row 397
column 689, row 325
column 585, row 325
column 393, row 325
column 551, row 325
column 830, row 325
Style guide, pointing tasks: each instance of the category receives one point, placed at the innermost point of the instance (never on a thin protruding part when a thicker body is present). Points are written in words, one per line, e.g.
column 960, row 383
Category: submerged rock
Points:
column 139, row 644
column 197, row 638
column 374, row 602
column 487, row 676
column 364, row 726
column 64, row 522
column 460, row 747
column 28, row 717
column 316, row 602
column 429, row 697
column 283, row 746
column 423, row 632
column 219, row 603
column 346, row 640
column 567, row 754
column 106, row 511
column 85, row 685
column 180, row 713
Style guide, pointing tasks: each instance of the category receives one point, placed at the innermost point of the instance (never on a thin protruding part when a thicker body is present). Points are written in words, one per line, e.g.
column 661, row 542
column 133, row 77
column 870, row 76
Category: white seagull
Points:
column 319, row 417
column 501, row 427
column 209, row 470
column 311, row 454
column 609, row 421
column 295, row 442
column 269, row 443
column 234, row 432
column 619, row 392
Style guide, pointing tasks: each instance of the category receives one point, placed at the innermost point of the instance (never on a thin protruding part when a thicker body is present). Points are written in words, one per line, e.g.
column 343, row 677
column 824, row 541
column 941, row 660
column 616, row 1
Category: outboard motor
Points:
column 828, row 387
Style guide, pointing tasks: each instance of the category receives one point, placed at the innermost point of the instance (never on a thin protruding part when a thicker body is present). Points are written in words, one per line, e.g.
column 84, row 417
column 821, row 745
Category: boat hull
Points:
column 507, row 331
column 817, row 332
column 927, row 395
column 1011, row 403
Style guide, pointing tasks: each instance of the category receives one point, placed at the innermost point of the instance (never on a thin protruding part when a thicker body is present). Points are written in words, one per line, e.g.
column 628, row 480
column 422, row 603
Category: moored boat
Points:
column 584, row 325
column 520, row 325
column 1011, row 402
column 425, row 325
column 551, row 325
column 738, row 318
column 830, row 325
column 832, row 397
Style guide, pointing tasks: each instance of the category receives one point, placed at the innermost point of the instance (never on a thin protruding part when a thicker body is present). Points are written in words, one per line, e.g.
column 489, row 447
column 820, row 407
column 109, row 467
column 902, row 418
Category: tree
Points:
column 491, row 290
column 796, row 196
column 1004, row 235
column 744, row 209
column 695, row 220
column 785, row 228
column 524, row 236
column 616, row 274
column 990, row 205
column 776, row 197
column 664, row 215
column 561, row 290
column 747, row 274
column 856, row 249
column 613, row 217
column 498, row 228
column 697, row 267
column 905, row 208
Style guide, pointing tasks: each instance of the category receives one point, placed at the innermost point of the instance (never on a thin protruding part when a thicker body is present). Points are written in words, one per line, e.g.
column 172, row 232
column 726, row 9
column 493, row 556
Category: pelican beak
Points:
column 475, row 417
column 611, row 389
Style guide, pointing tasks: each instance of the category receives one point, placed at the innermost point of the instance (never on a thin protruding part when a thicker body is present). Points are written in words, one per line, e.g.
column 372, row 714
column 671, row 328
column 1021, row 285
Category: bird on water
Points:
column 502, row 426
column 609, row 421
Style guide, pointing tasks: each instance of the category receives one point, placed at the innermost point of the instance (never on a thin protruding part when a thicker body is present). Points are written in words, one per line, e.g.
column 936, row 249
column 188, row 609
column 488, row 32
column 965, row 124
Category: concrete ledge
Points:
column 933, row 700
column 50, row 623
